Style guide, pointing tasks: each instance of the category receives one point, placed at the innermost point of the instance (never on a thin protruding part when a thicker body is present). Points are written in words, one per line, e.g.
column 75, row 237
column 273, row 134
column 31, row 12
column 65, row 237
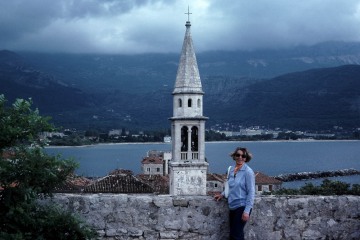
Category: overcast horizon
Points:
column 158, row 26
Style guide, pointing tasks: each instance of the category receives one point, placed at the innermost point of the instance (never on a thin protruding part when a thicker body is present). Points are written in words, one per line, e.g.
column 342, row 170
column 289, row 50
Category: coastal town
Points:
column 219, row 132
column 154, row 179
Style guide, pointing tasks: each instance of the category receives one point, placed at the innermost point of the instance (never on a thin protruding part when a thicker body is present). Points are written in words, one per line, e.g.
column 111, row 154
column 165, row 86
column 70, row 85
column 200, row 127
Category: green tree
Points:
column 327, row 187
column 310, row 189
column 355, row 189
column 27, row 174
column 214, row 136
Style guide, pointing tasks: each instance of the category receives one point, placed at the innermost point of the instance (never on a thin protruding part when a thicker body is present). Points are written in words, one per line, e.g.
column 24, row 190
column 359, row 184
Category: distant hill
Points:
column 18, row 79
column 115, row 91
column 313, row 99
column 144, row 72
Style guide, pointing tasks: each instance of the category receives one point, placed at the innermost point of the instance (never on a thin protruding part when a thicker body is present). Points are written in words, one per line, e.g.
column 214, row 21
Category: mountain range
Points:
column 303, row 88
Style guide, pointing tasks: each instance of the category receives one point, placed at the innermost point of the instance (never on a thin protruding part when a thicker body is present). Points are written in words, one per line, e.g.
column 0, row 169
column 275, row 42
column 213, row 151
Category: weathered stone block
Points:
column 169, row 235
column 180, row 202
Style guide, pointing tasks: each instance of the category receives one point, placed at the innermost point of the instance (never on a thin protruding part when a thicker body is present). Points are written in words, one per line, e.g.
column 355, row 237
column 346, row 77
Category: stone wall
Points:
column 126, row 216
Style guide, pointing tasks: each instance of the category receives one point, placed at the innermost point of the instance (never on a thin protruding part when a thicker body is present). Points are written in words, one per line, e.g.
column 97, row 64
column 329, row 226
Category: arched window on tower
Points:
column 180, row 102
column 194, row 139
column 189, row 102
column 184, row 139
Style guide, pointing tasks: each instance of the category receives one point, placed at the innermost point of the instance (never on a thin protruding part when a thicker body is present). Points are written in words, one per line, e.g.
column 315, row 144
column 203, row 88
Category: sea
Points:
column 269, row 157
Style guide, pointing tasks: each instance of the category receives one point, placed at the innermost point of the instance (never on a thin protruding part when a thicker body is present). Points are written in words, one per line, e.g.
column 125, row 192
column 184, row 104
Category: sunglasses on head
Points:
column 239, row 155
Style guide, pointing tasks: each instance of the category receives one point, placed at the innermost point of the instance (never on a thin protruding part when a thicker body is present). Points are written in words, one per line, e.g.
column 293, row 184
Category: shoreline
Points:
column 106, row 144
column 262, row 141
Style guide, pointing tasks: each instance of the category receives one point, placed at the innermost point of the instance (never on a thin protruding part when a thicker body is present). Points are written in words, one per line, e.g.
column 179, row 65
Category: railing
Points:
column 194, row 155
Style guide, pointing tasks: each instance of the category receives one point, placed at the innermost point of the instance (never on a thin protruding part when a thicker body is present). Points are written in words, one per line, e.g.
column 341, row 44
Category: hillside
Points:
column 144, row 72
column 20, row 80
column 85, row 91
column 313, row 99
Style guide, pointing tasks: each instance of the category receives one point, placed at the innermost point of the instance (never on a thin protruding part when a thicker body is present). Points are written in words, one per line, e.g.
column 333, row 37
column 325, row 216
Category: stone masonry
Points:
column 135, row 216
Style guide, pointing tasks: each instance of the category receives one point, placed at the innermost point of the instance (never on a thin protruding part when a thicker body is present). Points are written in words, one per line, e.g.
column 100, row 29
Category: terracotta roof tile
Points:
column 159, row 183
column 216, row 177
column 261, row 178
column 121, row 171
column 119, row 183
column 152, row 160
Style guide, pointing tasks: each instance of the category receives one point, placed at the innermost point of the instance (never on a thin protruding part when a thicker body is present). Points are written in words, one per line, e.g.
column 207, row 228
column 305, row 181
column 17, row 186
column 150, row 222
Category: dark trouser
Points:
column 236, row 224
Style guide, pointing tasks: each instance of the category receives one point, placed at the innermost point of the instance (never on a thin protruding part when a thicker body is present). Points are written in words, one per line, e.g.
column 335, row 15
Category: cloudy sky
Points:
column 138, row 26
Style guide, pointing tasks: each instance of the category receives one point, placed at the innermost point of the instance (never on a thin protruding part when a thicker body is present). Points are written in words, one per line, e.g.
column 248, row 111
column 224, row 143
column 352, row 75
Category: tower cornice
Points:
column 196, row 91
column 198, row 118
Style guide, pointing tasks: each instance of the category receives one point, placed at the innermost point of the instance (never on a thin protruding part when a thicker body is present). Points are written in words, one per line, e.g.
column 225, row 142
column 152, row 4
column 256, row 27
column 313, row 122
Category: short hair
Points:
column 247, row 154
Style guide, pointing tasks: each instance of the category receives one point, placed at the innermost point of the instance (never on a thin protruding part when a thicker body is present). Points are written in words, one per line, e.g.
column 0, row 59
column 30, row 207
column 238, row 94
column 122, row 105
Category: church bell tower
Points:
column 188, row 167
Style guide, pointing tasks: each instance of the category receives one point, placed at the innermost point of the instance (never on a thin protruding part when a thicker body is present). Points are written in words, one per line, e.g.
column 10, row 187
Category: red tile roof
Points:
column 261, row 178
column 159, row 183
column 216, row 177
column 152, row 160
column 121, row 171
column 119, row 183
column 73, row 184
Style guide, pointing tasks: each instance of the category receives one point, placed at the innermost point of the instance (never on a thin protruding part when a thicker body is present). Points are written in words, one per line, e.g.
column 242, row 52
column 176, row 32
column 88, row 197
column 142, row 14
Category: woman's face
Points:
column 239, row 157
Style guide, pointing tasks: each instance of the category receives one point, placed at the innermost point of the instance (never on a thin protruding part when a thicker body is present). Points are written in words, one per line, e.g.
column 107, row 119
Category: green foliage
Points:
column 327, row 188
column 34, row 221
column 334, row 188
column 20, row 124
column 356, row 189
column 32, row 169
column 286, row 191
column 310, row 189
column 214, row 136
column 27, row 174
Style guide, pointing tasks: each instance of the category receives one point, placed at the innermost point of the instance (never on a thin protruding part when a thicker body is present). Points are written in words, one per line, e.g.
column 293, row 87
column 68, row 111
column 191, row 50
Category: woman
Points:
column 241, row 179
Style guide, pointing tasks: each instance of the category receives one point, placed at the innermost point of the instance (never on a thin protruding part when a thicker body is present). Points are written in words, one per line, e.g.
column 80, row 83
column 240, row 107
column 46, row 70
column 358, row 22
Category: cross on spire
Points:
column 188, row 13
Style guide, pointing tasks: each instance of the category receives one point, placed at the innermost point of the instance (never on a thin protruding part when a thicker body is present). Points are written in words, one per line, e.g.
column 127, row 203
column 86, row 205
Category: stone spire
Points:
column 188, row 77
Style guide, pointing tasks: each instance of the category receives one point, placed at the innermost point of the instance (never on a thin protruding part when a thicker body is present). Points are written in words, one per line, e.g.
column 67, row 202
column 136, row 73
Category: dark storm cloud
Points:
column 283, row 23
column 135, row 26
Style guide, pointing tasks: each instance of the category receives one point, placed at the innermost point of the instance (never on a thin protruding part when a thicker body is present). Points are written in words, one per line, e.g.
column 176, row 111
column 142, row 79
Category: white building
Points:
column 156, row 163
column 153, row 165
column 264, row 183
column 115, row 132
column 167, row 139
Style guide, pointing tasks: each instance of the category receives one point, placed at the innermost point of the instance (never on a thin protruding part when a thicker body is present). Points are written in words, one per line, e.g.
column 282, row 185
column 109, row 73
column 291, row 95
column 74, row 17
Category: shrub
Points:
column 26, row 174
column 327, row 187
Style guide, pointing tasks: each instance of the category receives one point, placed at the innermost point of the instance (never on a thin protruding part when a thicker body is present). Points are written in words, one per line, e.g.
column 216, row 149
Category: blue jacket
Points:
column 241, row 188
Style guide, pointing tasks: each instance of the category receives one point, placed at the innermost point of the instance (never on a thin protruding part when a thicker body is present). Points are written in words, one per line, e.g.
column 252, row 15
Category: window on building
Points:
column 184, row 138
column 259, row 188
column 180, row 103
column 215, row 185
column 194, row 139
column 270, row 188
column 189, row 102
column 158, row 169
column 148, row 169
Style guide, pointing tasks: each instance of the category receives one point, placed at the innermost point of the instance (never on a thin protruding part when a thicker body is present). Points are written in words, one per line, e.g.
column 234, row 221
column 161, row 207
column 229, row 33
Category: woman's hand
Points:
column 245, row 217
column 218, row 197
